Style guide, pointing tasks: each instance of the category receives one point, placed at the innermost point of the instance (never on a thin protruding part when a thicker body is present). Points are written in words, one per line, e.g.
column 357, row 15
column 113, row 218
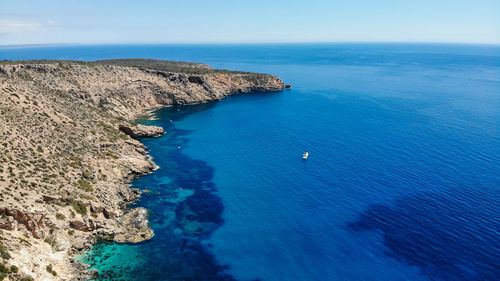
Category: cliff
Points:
column 67, row 151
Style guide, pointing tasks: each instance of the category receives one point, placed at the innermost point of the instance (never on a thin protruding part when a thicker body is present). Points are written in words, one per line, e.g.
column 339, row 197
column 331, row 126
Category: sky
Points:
column 256, row 21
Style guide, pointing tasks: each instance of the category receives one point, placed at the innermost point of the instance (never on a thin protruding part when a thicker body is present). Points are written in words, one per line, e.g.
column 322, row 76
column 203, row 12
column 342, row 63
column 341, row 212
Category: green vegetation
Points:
column 79, row 207
column 159, row 65
column 86, row 175
column 183, row 67
column 85, row 185
column 110, row 153
column 163, row 65
column 50, row 270
column 113, row 133
column 4, row 271
column 24, row 241
column 60, row 216
column 4, row 253
column 51, row 240
column 75, row 162
column 88, row 197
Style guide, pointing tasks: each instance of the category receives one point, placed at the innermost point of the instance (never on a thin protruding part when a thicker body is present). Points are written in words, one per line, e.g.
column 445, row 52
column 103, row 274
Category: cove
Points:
column 183, row 211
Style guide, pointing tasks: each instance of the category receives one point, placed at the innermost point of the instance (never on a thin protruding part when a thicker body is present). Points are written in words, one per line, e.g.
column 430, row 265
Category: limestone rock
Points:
column 107, row 214
column 142, row 131
column 61, row 245
column 96, row 207
column 78, row 244
column 134, row 226
column 32, row 221
column 81, row 226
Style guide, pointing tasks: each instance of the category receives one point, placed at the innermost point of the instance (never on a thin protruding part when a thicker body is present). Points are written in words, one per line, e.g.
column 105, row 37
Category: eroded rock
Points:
column 142, row 131
column 47, row 198
column 134, row 226
column 31, row 221
column 81, row 226
column 7, row 223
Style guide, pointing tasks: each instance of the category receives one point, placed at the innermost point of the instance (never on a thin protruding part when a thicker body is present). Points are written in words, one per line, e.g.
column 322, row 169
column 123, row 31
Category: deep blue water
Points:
column 402, row 182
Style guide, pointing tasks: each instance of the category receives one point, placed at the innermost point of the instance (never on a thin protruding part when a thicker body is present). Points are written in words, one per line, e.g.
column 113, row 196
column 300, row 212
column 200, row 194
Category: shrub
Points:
column 24, row 241
column 50, row 270
column 3, row 271
column 110, row 153
column 79, row 207
column 85, row 185
column 88, row 197
column 4, row 254
column 86, row 175
column 50, row 240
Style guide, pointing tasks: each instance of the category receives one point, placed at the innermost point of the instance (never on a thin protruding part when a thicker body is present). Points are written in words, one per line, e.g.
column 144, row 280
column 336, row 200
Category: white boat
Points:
column 305, row 155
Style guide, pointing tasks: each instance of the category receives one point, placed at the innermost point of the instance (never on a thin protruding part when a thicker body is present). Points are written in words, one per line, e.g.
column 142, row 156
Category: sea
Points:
column 402, row 180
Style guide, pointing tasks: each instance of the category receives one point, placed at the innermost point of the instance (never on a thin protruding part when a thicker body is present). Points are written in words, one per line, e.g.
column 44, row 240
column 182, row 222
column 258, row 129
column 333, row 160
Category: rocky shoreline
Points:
column 70, row 148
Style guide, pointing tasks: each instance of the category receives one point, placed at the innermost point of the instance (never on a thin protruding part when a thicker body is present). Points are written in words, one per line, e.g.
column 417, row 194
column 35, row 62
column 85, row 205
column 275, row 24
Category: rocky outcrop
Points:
column 47, row 198
column 32, row 221
column 138, row 131
column 7, row 223
column 82, row 226
column 134, row 227
column 69, row 149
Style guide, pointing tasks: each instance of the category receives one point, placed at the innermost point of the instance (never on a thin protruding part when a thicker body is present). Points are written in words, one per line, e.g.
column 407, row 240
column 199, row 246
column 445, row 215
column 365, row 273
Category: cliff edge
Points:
column 68, row 151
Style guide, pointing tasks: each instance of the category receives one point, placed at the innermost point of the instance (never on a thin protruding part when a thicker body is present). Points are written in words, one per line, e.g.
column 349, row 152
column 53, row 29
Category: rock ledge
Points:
column 142, row 131
column 134, row 227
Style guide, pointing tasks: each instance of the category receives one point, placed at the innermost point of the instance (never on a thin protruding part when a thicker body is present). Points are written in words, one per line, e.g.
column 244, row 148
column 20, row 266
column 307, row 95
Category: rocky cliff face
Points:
column 67, row 152
column 126, row 91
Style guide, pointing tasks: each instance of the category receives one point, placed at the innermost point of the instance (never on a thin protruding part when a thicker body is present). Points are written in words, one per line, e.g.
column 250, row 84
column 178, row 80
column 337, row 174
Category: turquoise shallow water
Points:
column 402, row 182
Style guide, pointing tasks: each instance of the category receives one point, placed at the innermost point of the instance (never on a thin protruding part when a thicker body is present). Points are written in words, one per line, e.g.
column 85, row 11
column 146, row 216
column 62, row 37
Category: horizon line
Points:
column 246, row 43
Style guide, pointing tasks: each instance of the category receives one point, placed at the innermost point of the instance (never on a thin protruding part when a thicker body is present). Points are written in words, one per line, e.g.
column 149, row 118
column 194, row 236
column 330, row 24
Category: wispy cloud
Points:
column 16, row 26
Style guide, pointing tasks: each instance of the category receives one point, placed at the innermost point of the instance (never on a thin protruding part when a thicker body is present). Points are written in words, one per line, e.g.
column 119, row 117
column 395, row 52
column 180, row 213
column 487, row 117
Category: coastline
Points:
column 184, row 211
column 80, row 269
column 114, row 96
